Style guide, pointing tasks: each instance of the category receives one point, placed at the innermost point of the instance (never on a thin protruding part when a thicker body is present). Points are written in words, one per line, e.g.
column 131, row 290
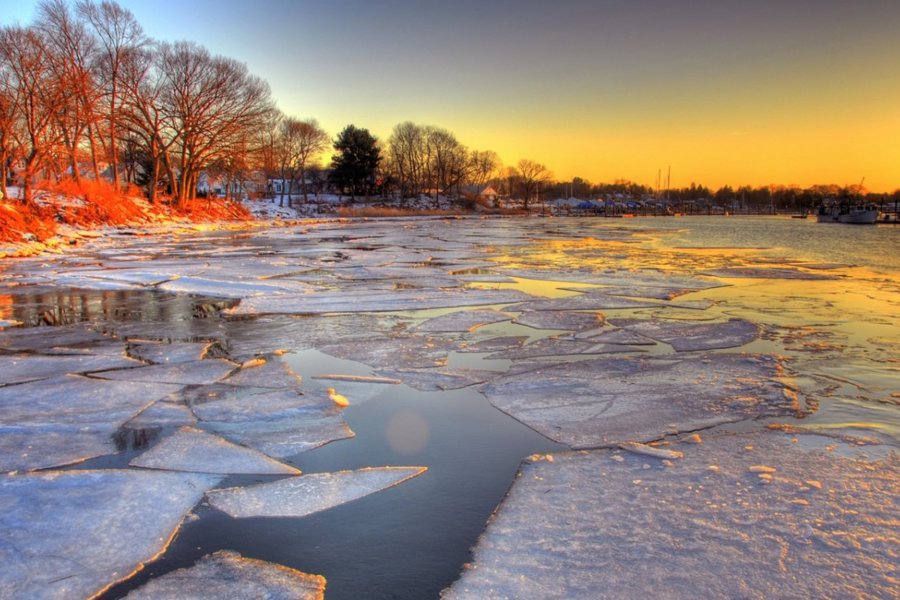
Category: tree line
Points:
column 84, row 92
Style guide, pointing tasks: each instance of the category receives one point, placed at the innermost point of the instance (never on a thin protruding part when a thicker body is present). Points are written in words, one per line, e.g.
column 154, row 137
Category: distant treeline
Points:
column 85, row 93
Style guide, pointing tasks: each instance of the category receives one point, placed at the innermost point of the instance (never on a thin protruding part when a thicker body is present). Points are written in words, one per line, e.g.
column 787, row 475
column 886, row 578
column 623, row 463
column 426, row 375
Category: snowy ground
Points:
column 181, row 365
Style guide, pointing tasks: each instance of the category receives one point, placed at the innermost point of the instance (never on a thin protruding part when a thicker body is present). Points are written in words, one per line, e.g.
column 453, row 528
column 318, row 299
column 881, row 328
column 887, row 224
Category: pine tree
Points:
column 357, row 159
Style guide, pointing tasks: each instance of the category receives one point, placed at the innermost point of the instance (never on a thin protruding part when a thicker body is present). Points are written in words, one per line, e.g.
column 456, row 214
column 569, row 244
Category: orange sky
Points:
column 723, row 91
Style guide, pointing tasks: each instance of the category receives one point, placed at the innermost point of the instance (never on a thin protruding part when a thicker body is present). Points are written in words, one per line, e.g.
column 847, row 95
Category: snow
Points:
column 227, row 574
column 196, row 451
column 605, row 401
column 71, row 534
column 308, row 494
column 738, row 516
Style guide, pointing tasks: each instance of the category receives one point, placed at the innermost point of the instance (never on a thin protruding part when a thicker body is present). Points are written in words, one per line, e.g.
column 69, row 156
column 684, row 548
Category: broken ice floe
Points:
column 278, row 423
column 462, row 321
column 563, row 320
column 609, row 335
column 494, row 344
column 588, row 301
column 198, row 372
column 19, row 368
column 767, row 273
column 751, row 515
column 686, row 336
column 196, row 451
column 308, row 494
column 605, row 401
column 230, row 288
column 374, row 301
column 227, row 574
column 395, row 353
column 67, row 419
column 545, row 347
column 274, row 373
column 40, row 339
column 162, row 414
column 434, row 380
column 169, row 352
column 72, row 534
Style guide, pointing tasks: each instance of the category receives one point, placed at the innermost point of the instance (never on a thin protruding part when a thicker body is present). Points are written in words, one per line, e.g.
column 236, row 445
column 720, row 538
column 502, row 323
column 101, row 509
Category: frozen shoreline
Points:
column 587, row 368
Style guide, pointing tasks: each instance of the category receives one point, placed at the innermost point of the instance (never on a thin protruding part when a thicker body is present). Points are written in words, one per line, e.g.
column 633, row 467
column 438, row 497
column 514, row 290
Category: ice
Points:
column 275, row 374
column 130, row 276
column 162, row 414
column 230, row 288
column 606, row 524
column 39, row 339
column 196, row 451
column 19, row 368
column 768, row 273
column 169, row 353
column 605, row 401
column 564, row 320
column 72, row 534
column 464, row 320
column 433, row 380
column 658, row 293
column 278, row 423
column 227, row 574
column 494, row 344
column 378, row 300
column 198, row 372
column 545, row 347
column 308, row 494
column 686, row 336
column 608, row 335
column 395, row 353
column 589, row 301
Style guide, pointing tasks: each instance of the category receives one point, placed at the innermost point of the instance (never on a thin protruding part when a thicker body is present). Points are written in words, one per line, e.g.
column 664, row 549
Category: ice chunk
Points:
column 464, row 320
column 495, row 344
column 608, row 335
column 686, row 336
column 395, row 353
column 565, row 320
column 230, row 288
column 308, row 494
column 198, row 372
column 72, row 534
column 227, row 574
column 610, row 400
column 19, row 368
column 162, row 414
column 67, row 419
column 545, row 347
column 768, row 273
column 169, row 353
column 42, row 338
column 824, row 526
column 434, row 380
column 588, row 301
column 275, row 373
column 192, row 450
column 379, row 300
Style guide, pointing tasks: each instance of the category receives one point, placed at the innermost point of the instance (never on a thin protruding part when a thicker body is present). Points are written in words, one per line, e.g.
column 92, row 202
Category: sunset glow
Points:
column 724, row 92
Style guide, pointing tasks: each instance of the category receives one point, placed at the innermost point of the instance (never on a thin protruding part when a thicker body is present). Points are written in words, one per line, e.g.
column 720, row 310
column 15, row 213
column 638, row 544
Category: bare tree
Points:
column 36, row 96
column 483, row 165
column 406, row 154
column 532, row 174
column 119, row 34
column 70, row 48
column 312, row 142
column 211, row 102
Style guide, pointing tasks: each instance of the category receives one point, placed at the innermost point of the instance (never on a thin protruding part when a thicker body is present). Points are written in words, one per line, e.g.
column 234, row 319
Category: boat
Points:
column 851, row 213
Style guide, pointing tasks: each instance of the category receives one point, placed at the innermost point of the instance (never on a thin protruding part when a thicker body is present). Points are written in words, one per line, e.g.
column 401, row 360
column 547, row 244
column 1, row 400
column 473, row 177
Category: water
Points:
column 840, row 338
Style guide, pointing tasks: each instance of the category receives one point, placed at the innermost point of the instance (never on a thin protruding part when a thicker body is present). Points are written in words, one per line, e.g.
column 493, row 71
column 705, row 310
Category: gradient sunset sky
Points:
column 724, row 92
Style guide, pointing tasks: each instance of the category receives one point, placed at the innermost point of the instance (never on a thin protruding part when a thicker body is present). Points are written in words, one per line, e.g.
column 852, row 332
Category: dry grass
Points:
column 18, row 222
column 377, row 211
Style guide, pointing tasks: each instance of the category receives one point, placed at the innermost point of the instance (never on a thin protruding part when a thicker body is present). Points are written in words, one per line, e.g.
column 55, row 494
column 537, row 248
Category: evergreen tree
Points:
column 357, row 159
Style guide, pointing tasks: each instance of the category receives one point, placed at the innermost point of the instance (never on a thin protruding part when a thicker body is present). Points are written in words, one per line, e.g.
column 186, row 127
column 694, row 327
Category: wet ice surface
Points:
column 739, row 516
column 308, row 494
column 400, row 313
column 229, row 575
column 599, row 402
column 72, row 534
column 199, row 452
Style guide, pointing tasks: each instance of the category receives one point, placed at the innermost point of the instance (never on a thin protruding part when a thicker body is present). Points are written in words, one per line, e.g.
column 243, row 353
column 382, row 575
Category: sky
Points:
column 720, row 92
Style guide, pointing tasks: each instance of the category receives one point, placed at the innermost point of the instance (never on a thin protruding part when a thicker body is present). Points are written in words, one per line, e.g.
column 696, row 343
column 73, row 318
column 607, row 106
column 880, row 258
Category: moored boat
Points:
column 855, row 214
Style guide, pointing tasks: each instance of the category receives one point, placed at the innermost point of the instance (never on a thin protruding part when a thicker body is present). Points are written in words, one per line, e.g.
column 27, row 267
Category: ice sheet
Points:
column 395, row 353
column 40, row 339
column 196, row 451
column 545, row 347
column 227, row 574
column 685, row 336
column 168, row 353
column 162, row 414
column 230, row 288
column 463, row 320
column 308, row 494
column 380, row 300
column 69, row 404
column 198, row 372
column 71, row 534
column 275, row 373
column 739, row 516
column 569, row 321
column 609, row 400
column 19, row 368
column 589, row 301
